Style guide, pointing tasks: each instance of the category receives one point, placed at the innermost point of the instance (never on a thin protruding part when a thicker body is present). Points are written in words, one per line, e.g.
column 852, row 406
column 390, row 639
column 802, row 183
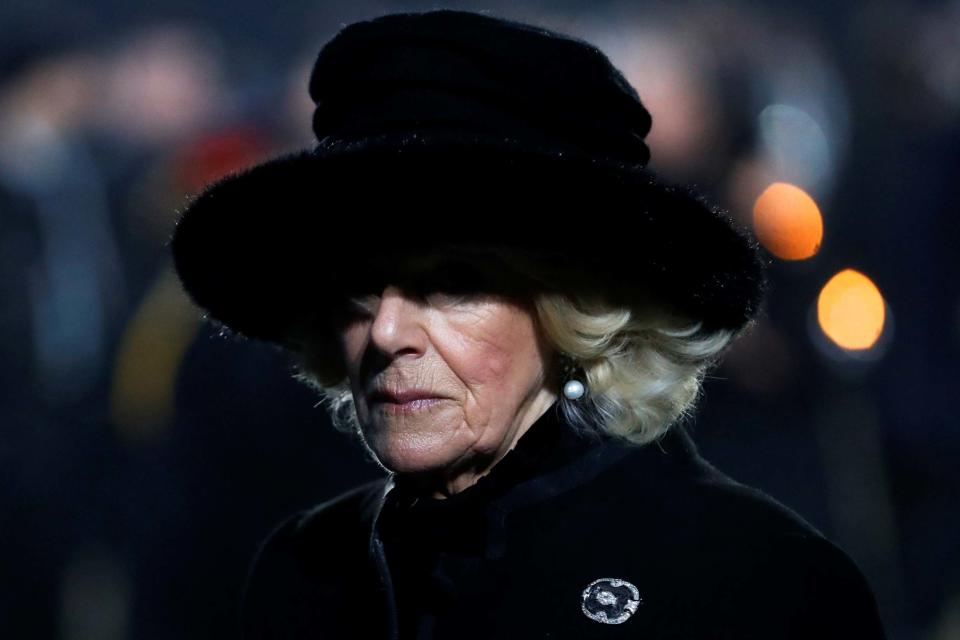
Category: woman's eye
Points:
column 446, row 282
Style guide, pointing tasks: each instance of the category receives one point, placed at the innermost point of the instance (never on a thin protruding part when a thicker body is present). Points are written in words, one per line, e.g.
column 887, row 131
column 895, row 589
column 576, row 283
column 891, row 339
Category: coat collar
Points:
column 530, row 475
column 550, row 460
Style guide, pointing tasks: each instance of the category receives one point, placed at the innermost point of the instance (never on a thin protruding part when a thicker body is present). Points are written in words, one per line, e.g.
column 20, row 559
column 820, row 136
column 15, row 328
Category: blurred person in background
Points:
column 453, row 270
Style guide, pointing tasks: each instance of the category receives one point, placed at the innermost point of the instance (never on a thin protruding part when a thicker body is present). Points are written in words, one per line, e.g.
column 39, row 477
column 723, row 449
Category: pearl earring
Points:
column 573, row 389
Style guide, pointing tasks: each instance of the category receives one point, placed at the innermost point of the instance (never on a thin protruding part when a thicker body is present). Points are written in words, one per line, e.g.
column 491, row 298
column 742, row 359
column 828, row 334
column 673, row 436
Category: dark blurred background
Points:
column 143, row 456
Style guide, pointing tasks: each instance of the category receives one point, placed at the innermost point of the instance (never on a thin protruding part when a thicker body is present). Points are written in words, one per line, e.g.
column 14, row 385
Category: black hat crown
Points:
column 459, row 74
column 451, row 127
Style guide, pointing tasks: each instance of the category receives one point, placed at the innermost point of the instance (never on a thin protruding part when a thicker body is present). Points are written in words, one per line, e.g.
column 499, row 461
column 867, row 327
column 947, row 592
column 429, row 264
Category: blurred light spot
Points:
column 788, row 222
column 95, row 597
column 145, row 372
column 795, row 146
column 851, row 310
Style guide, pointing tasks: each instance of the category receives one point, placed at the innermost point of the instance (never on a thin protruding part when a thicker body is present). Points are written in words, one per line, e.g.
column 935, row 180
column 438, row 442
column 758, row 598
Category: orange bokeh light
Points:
column 851, row 310
column 787, row 222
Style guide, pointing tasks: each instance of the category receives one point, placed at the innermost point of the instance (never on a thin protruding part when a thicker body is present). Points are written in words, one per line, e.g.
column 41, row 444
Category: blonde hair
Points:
column 642, row 362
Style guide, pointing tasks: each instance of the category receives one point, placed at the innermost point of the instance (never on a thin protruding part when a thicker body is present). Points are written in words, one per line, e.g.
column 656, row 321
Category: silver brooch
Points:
column 610, row 600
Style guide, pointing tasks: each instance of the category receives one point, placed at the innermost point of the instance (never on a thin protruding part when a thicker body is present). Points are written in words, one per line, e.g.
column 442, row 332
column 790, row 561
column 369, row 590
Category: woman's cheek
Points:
column 478, row 359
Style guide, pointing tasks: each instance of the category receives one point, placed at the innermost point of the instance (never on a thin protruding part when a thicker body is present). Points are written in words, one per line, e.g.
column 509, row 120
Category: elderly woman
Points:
column 476, row 271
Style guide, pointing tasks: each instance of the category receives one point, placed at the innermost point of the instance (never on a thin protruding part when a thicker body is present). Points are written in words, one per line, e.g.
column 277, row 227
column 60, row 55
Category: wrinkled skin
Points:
column 479, row 354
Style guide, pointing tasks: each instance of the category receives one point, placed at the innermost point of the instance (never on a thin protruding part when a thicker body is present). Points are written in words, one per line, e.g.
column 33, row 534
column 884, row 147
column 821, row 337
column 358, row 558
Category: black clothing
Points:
column 565, row 537
column 416, row 529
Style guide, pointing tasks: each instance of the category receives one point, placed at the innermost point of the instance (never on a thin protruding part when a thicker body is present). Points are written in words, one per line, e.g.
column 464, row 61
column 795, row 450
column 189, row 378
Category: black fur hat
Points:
column 456, row 128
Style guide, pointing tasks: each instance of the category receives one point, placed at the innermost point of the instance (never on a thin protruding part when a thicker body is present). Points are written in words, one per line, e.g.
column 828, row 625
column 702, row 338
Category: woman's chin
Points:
column 414, row 456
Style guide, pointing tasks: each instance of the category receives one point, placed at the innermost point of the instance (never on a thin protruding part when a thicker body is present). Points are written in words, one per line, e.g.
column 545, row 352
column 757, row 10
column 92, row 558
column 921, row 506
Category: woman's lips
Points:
column 405, row 401
column 411, row 406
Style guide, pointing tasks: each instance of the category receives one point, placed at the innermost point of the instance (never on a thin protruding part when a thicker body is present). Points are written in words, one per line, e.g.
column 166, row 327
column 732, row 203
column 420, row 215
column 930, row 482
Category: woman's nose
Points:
column 397, row 327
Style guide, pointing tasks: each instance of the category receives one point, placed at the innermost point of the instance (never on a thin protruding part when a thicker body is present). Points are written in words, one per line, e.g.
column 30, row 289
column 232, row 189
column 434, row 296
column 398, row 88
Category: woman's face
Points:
column 471, row 365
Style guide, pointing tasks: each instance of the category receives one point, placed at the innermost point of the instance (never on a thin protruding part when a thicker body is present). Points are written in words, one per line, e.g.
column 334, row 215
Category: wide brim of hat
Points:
column 259, row 249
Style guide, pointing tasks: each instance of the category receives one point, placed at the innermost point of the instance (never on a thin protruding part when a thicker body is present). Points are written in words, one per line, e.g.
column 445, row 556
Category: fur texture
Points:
column 465, row 143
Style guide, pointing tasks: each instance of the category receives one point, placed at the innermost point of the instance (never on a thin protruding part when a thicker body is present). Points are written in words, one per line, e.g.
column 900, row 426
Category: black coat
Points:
column 566, row 537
